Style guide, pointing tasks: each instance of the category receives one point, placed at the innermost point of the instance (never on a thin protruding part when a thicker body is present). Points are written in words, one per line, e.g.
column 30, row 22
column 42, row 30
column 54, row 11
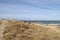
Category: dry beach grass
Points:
column 18, row 30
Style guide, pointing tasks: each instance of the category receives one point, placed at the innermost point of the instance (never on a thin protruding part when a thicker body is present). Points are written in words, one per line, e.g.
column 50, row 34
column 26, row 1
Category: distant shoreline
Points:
column 45, row 22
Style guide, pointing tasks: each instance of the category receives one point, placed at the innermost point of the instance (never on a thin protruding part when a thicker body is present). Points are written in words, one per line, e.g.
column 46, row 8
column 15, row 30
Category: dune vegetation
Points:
column 19, row 30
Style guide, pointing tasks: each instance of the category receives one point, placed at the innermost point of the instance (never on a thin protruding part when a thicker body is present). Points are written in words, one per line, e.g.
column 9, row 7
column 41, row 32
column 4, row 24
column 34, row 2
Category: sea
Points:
column 45, row 22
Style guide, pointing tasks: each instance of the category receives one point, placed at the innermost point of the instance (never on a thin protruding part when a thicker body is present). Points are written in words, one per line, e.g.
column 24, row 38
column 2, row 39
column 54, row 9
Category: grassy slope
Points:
column 17, row 30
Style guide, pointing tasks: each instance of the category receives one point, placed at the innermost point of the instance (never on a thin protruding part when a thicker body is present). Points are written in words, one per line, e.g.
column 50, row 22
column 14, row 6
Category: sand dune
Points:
column 18, row 30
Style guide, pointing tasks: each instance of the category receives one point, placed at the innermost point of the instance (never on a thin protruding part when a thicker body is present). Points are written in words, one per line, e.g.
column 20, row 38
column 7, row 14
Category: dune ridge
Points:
column 19, row 30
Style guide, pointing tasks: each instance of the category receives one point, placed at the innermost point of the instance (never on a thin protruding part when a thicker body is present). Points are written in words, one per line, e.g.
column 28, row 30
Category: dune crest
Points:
column 19, row 30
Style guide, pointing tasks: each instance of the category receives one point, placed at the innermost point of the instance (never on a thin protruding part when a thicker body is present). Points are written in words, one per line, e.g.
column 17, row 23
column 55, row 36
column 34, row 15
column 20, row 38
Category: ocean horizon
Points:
column 43, row 21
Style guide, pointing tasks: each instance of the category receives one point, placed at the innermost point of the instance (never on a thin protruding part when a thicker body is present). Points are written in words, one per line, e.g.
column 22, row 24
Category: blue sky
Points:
column 30, row 9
